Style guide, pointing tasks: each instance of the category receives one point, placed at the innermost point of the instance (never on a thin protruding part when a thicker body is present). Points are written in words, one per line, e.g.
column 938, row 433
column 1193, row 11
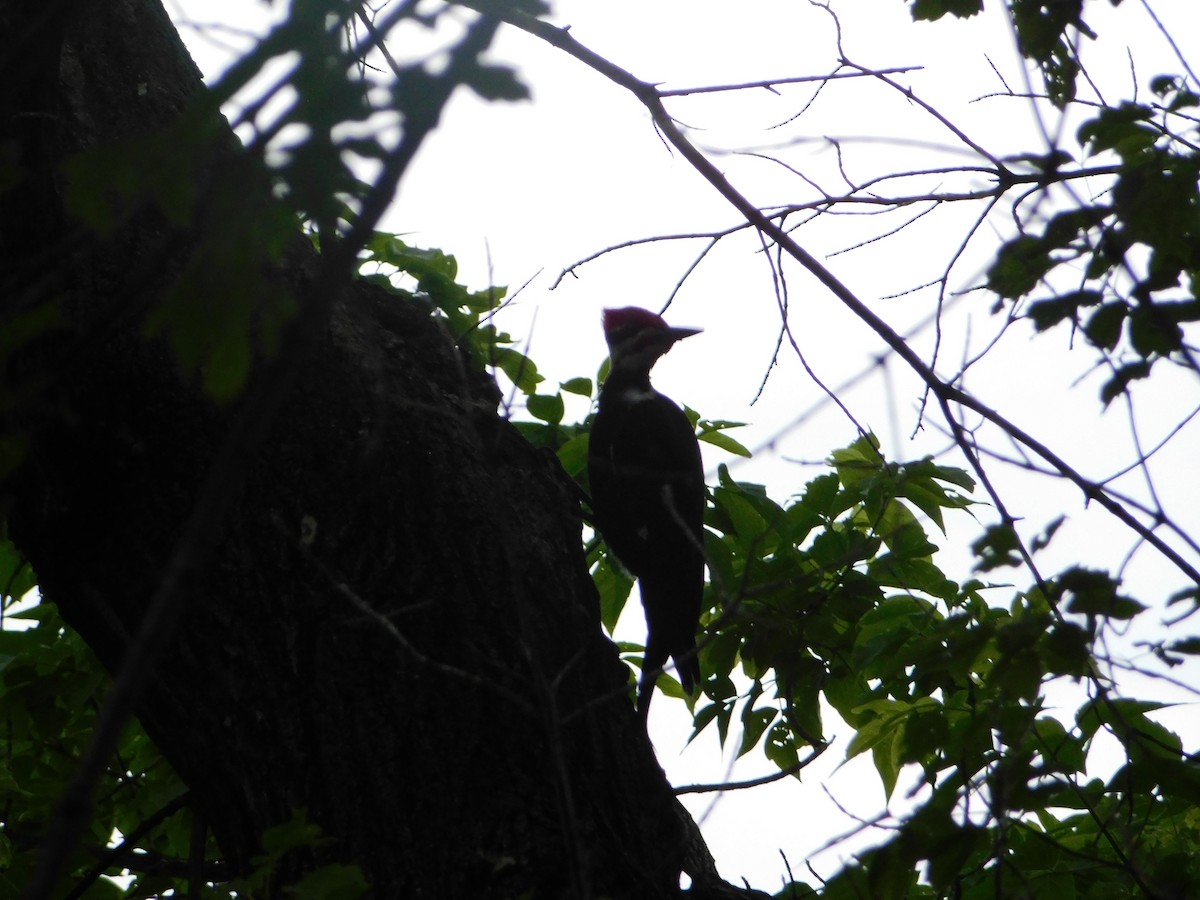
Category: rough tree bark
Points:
column 394, row 628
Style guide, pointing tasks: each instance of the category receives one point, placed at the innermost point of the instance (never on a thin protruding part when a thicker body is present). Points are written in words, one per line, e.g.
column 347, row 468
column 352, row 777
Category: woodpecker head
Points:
column 637, row 337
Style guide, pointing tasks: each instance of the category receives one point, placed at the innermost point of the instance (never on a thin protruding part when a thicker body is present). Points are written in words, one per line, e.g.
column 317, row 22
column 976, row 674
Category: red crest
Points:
column 616, row 319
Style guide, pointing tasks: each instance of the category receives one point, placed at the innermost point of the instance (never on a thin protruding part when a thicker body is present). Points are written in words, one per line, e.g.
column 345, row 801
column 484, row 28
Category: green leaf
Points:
column 1120, row 128
column 703, row 718
column 519, row 368
column 1042, row 541
column 227, row 366
column 714, row 432
column 222, row 306
column 1019, row 266
column 1119, row 383
column 1126, row 720
column 720, row 653
column 1066, row 650
column 821, row 496
column 580, row 386
column 721, row 557
column 725, row 713
column 858, row 462
column 803, row 680
column 725, row 442
column 754, row 723
column 951, row 474
column 332, row 882
column 950, row 855
column 926, row 733
column 669, row 686
column 547, row 407
column 1049, row 312
column 541, row 435
column 1152, row 331
column 875, row 719
column 614, row 587
column 847, row 694
column 572, row 455
column 105, row 182
column 1017, row 673
column 914, row 575
column 800, row 520
column 294, row 834
column 1094, row 593
column 1185, row 594
column 896, row 524
column 17, row 577
column 1190, row 646
column 1179, row 778
column 747, row 523
column 885, row 629
column 780, row 747
column 1064, row 752
column 1103, row 327
column 882, row 734
column 999, row 547
column 931, row 10
column 886, row 755
column 495, row 82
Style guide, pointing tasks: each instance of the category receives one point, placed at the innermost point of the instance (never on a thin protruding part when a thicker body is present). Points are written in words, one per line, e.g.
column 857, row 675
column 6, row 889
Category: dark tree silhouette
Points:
column 249, row 448
column 354, row 590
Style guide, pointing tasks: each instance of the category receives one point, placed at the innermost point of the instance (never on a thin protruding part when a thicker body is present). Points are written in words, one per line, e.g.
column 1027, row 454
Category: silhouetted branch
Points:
column 947, row 394
column 772, row 83
column 755, row 782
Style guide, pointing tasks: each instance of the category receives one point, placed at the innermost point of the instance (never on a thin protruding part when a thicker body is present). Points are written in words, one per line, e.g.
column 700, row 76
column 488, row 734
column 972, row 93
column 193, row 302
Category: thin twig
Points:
column 945, row 393
column 754, row 782
column 774, row 82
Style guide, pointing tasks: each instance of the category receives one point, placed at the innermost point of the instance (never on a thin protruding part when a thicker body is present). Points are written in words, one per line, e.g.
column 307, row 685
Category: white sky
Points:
column 521, row 191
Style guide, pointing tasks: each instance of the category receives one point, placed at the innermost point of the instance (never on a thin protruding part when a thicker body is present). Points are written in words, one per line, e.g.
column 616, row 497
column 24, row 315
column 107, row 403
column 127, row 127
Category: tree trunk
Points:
column 392, row 627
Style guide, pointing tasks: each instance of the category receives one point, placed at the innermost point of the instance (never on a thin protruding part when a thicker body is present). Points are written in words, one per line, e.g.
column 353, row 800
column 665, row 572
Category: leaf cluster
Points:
column 429, row 277
column 831, row 608
column 833, row 603
column 1130, row 258
column 51, row 688
column 815, row 598
column 1047, row 35
column 233, row 212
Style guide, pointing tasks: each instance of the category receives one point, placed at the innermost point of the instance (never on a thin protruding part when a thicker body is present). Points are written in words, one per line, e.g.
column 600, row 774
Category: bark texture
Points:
column 393, row 627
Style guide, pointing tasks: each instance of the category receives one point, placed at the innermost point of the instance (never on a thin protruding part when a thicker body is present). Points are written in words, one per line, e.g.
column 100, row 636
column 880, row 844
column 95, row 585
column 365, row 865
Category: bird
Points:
column 647, row 492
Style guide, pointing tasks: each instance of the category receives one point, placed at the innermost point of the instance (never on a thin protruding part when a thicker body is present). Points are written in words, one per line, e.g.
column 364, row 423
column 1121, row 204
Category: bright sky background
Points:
column 518, row 192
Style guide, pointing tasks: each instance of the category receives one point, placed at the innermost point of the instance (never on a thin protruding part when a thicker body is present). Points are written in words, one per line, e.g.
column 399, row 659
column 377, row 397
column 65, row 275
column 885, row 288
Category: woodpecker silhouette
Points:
column 647, row 486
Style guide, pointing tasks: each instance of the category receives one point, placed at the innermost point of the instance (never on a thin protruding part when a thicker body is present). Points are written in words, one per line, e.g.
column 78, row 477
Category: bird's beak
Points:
column 678, row 334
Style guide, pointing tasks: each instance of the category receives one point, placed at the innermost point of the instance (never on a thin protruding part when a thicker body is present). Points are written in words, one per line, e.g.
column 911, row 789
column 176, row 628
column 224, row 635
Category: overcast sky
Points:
column 518, row 192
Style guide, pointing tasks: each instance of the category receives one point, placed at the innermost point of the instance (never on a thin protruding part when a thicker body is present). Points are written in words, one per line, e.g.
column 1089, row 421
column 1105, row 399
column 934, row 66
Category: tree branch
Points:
column 946, row 393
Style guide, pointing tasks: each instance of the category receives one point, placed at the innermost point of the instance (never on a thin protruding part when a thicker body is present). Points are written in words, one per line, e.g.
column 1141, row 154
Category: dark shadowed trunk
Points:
column 390, row 624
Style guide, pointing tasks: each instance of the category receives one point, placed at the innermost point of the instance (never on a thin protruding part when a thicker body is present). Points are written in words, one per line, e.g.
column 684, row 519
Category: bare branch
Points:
column 755, row 782
column 946, row 393
column 772, row 83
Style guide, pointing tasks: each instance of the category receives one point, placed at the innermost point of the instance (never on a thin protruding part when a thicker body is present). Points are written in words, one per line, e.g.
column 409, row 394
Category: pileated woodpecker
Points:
column 647, row 486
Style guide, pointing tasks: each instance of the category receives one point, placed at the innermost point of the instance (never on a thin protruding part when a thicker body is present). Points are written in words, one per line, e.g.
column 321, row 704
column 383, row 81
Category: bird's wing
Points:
column 646, row 466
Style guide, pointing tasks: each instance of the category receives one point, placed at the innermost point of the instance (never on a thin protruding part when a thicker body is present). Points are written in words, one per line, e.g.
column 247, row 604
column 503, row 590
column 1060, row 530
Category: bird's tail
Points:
column 687, row 664
column 652, row 662
column 687, row 667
